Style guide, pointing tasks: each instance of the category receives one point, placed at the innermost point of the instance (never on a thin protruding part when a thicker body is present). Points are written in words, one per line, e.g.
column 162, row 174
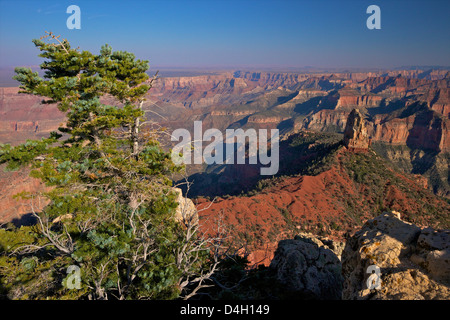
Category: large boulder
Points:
column 307, row 267
column 186, row 212
column 390, row 259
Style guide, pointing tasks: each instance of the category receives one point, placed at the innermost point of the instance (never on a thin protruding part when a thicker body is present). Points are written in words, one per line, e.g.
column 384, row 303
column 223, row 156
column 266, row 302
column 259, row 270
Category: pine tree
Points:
column 111, row 204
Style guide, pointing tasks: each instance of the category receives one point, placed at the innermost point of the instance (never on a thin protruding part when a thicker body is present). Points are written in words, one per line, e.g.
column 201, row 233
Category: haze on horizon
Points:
column 231, row 34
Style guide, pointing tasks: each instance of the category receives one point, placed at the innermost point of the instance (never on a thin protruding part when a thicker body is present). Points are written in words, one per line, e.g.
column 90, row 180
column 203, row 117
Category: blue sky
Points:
column 237, row 34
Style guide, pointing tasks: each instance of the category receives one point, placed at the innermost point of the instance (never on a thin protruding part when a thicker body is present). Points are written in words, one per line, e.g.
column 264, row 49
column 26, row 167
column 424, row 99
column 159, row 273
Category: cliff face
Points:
column 355, row 134
column 17, row 107
column 23, row 116
column 12, row 183
column 424, row 130
column 204, row 91
column 439, row 100
column 349, row 99
column 324, row 120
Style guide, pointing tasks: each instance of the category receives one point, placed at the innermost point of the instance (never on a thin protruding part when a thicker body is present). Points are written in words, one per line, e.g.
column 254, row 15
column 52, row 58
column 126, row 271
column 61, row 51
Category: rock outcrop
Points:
column 412, row 263
column 186, row 211
column 309, row 268
column 355, row 134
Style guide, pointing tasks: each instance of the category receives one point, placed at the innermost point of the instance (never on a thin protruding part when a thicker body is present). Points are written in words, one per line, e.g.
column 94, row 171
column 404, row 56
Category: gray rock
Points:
column 307, row 266
column 412, row 263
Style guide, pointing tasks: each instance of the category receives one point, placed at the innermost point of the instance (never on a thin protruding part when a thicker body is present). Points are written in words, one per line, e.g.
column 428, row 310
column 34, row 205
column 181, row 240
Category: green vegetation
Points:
column 111, row 210
column 317, row 149
column 375, row 176
column 431, row 164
